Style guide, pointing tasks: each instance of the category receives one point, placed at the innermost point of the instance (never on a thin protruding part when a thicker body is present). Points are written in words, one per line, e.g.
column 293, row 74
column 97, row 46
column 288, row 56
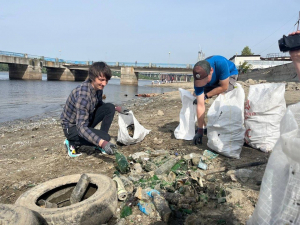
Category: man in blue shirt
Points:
column 212, row 76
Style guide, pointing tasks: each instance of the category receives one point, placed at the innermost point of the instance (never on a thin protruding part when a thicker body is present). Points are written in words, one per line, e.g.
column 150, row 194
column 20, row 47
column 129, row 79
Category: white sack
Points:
column 264, row 110
column 279, row 197
column 139, row 131
column 225, row 127
column 187, row 117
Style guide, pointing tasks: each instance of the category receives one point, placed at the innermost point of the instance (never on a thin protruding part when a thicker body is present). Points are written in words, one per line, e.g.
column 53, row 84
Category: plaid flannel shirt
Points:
column 79, row 110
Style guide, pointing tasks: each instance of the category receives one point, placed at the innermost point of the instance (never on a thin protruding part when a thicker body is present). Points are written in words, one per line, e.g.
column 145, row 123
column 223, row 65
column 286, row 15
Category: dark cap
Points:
column 200, row 72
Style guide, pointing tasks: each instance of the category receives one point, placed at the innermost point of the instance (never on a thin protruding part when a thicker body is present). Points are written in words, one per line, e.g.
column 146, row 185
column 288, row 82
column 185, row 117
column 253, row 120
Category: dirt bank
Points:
column 32, row 152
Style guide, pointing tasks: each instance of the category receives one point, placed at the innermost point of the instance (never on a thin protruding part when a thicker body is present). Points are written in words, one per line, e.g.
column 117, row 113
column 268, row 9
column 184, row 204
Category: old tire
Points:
column 15, row 215
column 97, row 209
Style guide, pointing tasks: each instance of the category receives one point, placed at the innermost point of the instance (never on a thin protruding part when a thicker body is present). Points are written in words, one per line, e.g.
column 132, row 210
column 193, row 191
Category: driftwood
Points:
column 224, row 169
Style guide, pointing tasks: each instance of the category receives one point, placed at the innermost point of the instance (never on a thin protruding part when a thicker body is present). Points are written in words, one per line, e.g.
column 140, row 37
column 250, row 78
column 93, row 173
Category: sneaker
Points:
column 70, row 149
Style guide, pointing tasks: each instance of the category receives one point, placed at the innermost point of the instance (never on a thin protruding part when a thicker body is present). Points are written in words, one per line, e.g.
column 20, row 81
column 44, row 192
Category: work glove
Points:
column 198, row 137
column 195, row 101
column 122, row 110
column 109, row 147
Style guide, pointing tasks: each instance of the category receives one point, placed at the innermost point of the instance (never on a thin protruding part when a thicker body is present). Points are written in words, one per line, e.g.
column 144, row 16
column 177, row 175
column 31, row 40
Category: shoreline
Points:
column 32, row 152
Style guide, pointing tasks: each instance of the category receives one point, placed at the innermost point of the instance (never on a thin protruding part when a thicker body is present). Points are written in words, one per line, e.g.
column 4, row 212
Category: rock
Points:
column 191, row 156
column 158, row 141
column 262, row 81
column 243, row 174
column 137, row 168
column 140, row 156
column 160, row 113
column 196, row 161
column 171, row 177
column 250, row 82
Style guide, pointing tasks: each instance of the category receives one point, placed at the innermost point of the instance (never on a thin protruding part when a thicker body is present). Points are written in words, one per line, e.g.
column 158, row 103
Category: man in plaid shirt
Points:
column 84, row 109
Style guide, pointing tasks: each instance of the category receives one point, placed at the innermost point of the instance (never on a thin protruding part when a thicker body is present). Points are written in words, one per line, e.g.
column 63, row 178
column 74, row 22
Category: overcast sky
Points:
column 157, row 31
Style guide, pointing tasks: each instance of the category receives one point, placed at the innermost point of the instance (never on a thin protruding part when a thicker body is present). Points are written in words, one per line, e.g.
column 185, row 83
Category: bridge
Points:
column 29, row 67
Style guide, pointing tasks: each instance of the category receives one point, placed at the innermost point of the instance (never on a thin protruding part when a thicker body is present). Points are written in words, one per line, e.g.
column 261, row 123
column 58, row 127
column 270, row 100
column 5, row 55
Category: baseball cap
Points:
column 200, row 72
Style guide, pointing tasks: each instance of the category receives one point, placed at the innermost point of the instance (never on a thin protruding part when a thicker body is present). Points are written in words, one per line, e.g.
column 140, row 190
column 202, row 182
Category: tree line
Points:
column 3, row 67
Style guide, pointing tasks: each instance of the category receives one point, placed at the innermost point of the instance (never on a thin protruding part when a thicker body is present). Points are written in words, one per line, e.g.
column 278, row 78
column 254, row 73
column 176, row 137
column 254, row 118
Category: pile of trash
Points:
column 158, row 182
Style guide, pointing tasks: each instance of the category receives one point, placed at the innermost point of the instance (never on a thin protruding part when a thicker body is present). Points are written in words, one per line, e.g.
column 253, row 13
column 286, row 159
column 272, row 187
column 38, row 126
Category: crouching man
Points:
column 212, row 76
column 84, row 109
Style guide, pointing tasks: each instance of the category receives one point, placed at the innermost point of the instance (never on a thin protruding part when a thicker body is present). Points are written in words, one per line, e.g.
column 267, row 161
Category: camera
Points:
column 289, row 43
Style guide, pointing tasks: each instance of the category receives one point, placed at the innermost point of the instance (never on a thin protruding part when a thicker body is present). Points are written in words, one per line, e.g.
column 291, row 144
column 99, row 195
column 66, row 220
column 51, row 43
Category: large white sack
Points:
column 139, row 131
column 264, row 110
column 187, row 117
column 225, row 127
column 279, row 196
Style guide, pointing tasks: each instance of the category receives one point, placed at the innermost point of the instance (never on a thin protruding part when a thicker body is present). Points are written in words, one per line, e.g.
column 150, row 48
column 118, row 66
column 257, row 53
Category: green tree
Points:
column 244, row 67
column 3, row 67
column 247, row 51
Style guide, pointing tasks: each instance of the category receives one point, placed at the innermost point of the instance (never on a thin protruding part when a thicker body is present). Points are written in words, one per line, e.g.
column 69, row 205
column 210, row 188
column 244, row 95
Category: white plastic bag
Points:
column 264, row 110
column 188, row 117
column 225, row 127
column 139, row 131
column 279, row 197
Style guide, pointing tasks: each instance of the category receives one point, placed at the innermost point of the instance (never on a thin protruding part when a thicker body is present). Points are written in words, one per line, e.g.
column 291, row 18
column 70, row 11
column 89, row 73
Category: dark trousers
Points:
column 104, row 113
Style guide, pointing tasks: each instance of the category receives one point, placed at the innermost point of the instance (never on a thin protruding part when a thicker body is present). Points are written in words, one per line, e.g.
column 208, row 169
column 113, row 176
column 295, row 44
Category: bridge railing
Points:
column 133, row 64
column 12, row 54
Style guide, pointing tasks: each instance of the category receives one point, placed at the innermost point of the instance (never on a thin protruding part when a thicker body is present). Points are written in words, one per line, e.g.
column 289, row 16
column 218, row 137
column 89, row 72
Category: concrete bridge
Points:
column 29, row 67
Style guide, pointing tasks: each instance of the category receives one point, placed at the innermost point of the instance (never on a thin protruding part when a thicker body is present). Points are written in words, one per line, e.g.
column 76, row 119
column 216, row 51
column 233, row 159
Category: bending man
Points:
column 84, row 109
column 212, row 76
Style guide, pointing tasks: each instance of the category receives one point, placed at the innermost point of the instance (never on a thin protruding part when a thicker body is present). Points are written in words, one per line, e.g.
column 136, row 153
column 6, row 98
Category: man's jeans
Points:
column 104, row 113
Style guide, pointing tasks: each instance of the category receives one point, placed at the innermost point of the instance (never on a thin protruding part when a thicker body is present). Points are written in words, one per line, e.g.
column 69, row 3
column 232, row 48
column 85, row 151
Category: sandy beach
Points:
column 32, row 152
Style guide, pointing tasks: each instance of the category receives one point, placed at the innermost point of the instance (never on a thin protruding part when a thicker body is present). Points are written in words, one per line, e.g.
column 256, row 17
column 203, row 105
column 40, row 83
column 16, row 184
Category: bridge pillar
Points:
column 60, row 74
column 32, row 71
column 128, row 76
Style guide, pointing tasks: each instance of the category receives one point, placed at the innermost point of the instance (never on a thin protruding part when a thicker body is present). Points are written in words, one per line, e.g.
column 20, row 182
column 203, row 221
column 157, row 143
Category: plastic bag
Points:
column 225, row 127
column 279, row 201
column 139, row 131
column 187, row 117
column 264, row 110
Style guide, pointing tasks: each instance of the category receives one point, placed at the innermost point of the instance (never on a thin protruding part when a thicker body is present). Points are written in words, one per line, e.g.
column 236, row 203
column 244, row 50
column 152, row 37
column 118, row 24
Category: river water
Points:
column 29, row 99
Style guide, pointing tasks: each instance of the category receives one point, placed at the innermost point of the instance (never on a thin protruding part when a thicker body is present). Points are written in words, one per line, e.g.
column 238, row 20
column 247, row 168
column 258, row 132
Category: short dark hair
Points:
column 204, row 64
column 99, row 69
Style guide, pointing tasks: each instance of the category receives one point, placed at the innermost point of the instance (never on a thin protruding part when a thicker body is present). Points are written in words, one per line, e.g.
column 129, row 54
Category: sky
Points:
column 156, row 31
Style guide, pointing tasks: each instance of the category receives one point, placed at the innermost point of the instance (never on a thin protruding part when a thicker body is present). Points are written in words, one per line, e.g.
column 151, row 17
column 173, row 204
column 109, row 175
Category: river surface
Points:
column 29, row 99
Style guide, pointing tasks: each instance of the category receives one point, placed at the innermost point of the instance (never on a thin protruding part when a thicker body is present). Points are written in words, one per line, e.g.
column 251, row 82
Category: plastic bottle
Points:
column 159, row 152
column 166, row 167
column 128, row 185
column 122, row 163
column 80, row 189
column 161, row 206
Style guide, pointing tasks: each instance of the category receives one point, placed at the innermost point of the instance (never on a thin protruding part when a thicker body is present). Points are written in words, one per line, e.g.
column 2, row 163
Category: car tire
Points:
column 16, row 215
column 96, row 209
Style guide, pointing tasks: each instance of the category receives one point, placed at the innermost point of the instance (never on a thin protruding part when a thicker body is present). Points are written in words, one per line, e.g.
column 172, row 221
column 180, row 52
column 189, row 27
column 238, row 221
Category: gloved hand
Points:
column 109, row 147
column 122, row 110
column 195, row 101
column 198, row 137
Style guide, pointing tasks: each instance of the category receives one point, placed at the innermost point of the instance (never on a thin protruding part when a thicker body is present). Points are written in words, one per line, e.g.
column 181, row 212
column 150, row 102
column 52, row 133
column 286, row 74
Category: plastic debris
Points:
column 202, row 165
column 209, row 154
